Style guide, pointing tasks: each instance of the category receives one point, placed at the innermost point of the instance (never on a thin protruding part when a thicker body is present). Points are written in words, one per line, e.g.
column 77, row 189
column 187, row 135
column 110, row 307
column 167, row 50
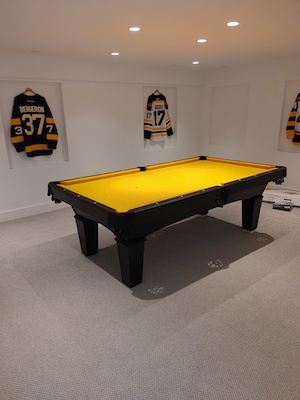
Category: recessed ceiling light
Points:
column 202, row 40
column 233, row 23
column 134, row 29
column 115, row 54
column 195, row 62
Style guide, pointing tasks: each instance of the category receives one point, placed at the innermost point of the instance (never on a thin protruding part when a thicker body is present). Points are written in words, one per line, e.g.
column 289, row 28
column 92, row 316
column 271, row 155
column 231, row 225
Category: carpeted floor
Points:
column 215, row 318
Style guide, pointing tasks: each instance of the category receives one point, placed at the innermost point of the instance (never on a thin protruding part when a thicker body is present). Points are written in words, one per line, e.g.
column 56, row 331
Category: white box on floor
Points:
column 280, row 196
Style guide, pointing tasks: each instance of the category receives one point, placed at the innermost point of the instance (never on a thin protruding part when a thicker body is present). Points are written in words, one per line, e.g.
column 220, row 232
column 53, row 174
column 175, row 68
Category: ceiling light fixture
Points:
column 202, row 40
column 115, row 54
column 233, row 23
column 195, row 62
column 134, row 29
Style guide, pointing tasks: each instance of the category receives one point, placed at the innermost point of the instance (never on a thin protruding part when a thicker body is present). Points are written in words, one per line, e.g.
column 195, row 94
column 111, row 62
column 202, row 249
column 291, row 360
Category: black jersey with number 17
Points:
column 33, row 129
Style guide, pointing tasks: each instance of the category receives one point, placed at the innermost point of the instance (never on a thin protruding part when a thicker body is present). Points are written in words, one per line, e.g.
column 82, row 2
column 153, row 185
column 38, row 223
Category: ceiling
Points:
column 92, row 29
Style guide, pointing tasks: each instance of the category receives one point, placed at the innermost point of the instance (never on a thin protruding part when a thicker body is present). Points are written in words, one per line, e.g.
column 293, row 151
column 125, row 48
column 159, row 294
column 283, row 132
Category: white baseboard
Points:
column 28, row 211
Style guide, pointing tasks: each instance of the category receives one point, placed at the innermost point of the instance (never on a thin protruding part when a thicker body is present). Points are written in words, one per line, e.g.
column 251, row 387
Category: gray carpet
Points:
column 216, row 316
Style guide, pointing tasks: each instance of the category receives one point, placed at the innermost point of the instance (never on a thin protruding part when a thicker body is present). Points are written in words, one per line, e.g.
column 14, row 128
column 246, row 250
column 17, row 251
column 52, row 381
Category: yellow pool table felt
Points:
column 130, row 189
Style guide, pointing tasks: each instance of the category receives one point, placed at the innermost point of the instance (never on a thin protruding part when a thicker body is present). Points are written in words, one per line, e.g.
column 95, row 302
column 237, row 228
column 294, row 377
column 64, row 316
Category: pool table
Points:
column 136, row 202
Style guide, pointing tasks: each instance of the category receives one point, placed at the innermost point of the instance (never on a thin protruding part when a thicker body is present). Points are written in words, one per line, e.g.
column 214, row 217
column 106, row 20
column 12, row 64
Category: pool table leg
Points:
column 250, row 212
column 131, row 255
column 88, row 235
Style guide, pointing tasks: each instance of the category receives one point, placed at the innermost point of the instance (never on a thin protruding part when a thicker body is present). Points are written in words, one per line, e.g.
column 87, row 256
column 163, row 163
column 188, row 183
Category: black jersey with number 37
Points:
column 33, row 129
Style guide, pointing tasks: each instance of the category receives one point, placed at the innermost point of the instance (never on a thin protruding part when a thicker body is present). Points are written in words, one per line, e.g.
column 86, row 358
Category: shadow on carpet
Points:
column 183, row 253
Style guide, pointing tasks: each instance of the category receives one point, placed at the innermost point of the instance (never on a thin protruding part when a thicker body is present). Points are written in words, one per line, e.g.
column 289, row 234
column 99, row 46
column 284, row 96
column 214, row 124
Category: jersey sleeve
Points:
column 293, row 124
column 16, row 130
column 168, row 120
column 148, row 119
column 51, row 130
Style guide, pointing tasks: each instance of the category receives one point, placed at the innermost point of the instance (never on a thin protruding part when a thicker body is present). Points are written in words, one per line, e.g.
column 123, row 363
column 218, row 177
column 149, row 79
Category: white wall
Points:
column 237, row 113
column 272, row 90
column 99, row 110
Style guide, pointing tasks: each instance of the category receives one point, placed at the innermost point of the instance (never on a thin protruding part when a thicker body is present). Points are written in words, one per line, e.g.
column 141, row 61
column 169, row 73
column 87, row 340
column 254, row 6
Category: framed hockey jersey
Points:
column 157, row 123
column 293, row 124
column 33, row 128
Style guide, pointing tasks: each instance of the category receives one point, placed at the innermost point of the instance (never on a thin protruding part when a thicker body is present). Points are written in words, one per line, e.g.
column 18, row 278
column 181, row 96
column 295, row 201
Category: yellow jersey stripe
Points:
column 291, row 123
column 35, row 147
column 17, row 139
column 52, row 136
column 15, row 121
